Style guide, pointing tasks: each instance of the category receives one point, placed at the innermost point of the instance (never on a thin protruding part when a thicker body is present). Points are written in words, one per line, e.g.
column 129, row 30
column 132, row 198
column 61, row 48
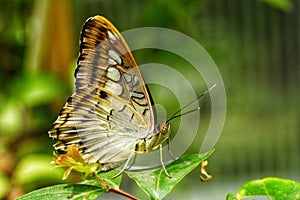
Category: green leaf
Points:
column 33, row 170
column 88, row 189
column 11, row 118
column 230, row 196
column 4, row 185
column 64, row 191
column 273, row 188
column 37, row 89
column 155, row 182
column 285, row 5
column 108, row 177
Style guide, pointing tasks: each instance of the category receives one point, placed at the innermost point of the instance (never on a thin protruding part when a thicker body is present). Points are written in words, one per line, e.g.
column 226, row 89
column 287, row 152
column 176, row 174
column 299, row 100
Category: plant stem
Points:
column 123, row 193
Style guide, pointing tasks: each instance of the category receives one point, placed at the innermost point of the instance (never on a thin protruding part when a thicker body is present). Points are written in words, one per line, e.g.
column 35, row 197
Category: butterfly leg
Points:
column 169, row 150
column 162, row 162
column 132, row 163
column 125, row 167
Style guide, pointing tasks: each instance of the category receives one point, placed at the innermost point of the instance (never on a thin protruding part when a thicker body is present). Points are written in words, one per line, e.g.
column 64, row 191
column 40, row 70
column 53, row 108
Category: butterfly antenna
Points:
column 175, row 115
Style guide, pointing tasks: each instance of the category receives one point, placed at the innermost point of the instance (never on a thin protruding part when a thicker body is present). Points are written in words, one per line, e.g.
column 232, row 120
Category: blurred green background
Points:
column 255, row 44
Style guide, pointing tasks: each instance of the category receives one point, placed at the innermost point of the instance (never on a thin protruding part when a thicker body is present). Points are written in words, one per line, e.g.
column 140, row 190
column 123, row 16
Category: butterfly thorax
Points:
column 153, row 141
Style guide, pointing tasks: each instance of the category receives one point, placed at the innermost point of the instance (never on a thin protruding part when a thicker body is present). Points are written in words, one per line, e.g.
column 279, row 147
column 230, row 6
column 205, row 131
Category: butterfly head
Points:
column 163, row 129
column 162, row 133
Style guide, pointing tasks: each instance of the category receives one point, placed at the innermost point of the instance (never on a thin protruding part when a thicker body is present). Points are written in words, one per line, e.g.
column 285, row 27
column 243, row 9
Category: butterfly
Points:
column 109, row 116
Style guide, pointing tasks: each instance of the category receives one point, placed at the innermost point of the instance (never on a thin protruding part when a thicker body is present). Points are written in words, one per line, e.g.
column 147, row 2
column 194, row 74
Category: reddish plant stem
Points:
column 123, row 193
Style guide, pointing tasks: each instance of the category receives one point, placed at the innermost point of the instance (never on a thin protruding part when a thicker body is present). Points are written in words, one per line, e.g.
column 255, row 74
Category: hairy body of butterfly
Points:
column 109, row 116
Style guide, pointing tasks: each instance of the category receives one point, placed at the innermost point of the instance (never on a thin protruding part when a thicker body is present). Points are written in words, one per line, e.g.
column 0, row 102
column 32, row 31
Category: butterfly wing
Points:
column 110, row 110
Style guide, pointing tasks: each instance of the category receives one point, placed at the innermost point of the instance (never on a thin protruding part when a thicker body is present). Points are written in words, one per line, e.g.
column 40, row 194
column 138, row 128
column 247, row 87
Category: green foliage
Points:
column 23, row 114
column 154, row 182
column 11, row 116
column 86, row 190
column 285, row 5
column 34, row 170
column 230, row 196
column 25, row 92
column 4, row 184
column 37, row 88
column 273, row 188
column 65, row 191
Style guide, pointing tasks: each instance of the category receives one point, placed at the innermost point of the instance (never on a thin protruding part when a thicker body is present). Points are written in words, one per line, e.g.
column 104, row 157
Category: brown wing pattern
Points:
column 110, row 110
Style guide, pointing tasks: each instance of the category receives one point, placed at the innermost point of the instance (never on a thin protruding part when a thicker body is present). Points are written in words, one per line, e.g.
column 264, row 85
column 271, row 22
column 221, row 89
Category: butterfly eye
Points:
column 166, row 127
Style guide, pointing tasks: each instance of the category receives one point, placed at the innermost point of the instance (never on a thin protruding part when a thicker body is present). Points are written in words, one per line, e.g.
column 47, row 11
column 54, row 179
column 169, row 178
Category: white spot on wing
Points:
column 113, row 74
column 115, row 88
column 137, row 95
column 135, row 81
column 112, row 36
column 127, row 78
column 111, row 62
column 115, row 56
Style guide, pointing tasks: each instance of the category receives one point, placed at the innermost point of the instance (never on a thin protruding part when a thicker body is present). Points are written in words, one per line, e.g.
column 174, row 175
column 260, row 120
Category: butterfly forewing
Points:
column 110, row 109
